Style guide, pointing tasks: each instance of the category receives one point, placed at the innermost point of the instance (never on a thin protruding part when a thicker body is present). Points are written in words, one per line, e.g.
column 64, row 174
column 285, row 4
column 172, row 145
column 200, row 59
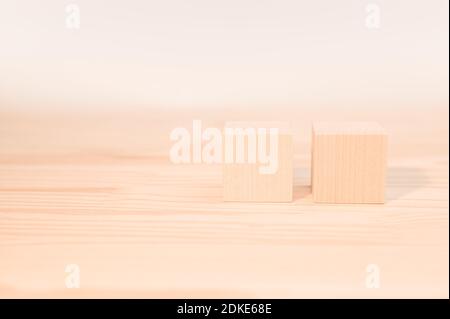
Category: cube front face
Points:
column 349, row 167
column 243, row 182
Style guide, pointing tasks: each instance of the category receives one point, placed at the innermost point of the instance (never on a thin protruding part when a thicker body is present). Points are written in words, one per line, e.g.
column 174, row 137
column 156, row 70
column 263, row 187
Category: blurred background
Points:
column 242, row 54
column 91, row 89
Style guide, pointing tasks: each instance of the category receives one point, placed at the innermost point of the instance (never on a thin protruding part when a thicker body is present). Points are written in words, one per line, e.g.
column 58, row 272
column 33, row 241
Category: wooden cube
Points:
column 249, row 173
column 348, row 162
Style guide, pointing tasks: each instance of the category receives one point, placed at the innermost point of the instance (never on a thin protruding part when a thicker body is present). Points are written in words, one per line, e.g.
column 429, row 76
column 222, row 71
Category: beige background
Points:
column 85, row 118
column 214, row 54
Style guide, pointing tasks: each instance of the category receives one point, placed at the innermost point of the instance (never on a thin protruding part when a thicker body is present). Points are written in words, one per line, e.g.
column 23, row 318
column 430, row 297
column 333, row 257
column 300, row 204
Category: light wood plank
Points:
column 97, row 190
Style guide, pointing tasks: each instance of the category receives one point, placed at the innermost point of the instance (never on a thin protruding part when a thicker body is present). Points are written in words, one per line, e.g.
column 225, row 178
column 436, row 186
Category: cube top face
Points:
column 348, row 128
column 349, row 163
column 283, row 127
column 250, row 180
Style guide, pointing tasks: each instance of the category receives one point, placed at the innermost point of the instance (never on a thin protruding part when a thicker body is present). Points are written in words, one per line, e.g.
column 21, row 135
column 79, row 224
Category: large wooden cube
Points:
column 249, row 174
column 348, row 162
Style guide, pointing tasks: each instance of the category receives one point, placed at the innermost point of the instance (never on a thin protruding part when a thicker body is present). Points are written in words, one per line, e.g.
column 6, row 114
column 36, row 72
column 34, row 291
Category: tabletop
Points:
column 91, row 206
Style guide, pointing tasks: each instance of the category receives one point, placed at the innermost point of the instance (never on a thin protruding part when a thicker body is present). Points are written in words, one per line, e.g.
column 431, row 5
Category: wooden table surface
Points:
column 96, row 189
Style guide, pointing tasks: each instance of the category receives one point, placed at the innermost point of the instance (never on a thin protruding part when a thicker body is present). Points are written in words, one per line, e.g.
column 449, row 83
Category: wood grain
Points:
column 243, row 180
column 349, row 162
column 97, row 190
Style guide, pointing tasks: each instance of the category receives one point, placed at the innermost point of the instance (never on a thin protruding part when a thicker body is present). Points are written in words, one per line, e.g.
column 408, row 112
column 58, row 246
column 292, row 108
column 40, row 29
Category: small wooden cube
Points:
column 249, row 174
column 348, row 162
